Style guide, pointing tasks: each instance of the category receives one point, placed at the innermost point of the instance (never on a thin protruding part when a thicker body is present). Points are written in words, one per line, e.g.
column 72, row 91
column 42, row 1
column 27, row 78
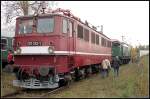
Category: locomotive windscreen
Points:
column 42, row 25
column 25, row 26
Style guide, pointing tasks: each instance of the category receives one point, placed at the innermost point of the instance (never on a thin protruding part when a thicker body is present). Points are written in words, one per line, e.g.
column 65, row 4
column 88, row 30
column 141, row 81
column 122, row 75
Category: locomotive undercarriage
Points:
column 52, row 80
column 125, row 60
column 34, row 80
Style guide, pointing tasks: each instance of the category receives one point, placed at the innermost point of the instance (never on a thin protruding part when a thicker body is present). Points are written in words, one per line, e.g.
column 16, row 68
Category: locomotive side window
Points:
column 4, row 43
column 86, row 35
column 93, row 38
column 80, row 31
column 97, row 39
column 103, row 42
column 25, row 26
column 45, row 25
column 65, row 26
column 100, row 41
column 108, row 44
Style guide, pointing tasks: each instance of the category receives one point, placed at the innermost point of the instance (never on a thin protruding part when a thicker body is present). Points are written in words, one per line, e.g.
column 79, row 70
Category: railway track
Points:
column 54, row 91
column 28, row 92
column 45, row 93
column 35, row 93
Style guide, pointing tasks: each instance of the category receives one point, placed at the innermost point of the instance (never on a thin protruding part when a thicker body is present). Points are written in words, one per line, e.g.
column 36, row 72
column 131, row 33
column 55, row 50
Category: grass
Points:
column 133, row 81
column 6, row 83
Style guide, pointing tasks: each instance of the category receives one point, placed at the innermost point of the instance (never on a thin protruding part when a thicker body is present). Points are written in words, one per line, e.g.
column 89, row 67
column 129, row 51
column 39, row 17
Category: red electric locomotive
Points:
column 51, row 49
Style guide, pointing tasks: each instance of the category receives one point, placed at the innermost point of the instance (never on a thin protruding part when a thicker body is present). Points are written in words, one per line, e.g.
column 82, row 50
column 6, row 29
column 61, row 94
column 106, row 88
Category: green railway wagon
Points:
column 122, row 50
column 6, row 45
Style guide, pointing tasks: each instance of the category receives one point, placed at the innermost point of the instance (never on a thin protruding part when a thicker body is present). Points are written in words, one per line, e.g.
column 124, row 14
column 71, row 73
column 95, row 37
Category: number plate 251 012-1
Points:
column 35, row 43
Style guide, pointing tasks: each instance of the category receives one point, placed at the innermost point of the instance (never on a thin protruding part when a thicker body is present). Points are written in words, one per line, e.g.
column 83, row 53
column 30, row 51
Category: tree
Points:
column 12, row 9
column 143, row 47
column 134, row 54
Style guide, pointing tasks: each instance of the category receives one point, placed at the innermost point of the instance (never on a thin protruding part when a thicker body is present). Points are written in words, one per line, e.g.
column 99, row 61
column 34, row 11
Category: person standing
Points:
column 10, row 57
column 116, row 65
column 108, row 66
column 105, row 66
column 10, row 61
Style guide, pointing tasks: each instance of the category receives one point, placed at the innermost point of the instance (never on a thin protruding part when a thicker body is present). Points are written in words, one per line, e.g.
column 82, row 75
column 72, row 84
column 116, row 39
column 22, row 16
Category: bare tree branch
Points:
column 18, row 8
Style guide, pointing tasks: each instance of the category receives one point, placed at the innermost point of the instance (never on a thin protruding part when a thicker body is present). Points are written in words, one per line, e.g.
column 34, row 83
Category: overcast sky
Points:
column 119, row 18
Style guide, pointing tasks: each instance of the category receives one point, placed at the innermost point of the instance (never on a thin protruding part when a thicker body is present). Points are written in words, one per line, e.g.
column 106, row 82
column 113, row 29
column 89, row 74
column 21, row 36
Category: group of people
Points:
column 106, row 67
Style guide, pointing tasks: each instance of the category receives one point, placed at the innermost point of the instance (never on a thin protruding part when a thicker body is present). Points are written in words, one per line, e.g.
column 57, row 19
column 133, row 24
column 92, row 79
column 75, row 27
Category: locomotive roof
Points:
column 46, row 15
column 122, row 43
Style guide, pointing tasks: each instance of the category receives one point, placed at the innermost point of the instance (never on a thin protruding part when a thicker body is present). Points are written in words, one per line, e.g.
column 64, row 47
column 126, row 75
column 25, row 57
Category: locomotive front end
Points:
column 36, row 44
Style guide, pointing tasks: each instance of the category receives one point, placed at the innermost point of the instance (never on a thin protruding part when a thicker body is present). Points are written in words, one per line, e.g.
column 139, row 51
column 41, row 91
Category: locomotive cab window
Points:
column 25, row 26
column 80, row 32
column 4, row 43
column 45, row 25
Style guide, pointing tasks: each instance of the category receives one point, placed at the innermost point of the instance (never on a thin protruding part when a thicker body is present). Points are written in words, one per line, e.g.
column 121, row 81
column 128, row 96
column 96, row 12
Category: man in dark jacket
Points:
column 116, row 65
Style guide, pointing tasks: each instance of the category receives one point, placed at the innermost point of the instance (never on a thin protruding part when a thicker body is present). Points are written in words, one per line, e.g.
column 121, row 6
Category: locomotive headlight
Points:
column 18, row 51
column 51, row 49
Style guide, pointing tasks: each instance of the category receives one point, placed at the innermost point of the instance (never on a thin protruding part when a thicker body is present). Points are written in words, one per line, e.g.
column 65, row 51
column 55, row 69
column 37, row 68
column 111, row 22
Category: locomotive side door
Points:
column 70, row 43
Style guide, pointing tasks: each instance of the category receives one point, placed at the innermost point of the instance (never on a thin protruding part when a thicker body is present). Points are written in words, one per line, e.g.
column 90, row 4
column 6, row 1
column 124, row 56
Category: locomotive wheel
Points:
column 95, row 69
column 82, row 73
column 89, row 70
column 62, row 82
column 86, row 73
column 78, row 75
column 18, row 73
column 23, row 75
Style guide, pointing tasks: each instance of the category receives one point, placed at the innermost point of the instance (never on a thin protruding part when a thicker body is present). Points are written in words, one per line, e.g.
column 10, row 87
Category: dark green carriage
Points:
column 122, row 50
column 6, row 45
